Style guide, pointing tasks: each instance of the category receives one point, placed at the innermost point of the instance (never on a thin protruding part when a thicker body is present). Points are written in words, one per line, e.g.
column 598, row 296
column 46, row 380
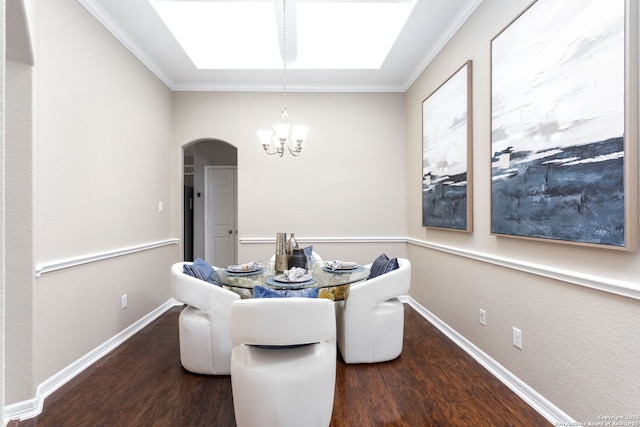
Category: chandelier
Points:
column 283, row 131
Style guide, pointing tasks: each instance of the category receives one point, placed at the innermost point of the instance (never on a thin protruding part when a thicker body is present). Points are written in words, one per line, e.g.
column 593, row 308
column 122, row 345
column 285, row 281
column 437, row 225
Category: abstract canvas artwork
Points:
column 446, row 154
column 558, row 124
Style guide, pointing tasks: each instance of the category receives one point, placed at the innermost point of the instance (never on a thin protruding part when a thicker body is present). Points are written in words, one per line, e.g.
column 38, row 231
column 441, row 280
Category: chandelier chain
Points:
column 284, row 50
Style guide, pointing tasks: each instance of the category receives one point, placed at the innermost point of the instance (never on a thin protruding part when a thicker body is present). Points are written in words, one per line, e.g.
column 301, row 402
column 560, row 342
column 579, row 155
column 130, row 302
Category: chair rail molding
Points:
column 605, row 284
column 357, row 239
column 50, row 266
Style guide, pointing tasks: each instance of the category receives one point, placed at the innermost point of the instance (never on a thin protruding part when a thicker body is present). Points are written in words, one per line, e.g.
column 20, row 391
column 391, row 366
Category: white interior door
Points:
column 220, row 215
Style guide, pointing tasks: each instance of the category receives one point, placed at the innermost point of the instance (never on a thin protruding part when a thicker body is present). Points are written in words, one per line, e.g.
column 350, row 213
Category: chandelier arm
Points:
column 295, row 152
column 275, row 152
column 279, row 149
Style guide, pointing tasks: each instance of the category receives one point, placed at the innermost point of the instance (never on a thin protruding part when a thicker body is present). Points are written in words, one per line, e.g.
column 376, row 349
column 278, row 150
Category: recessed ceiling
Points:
column 356, row 45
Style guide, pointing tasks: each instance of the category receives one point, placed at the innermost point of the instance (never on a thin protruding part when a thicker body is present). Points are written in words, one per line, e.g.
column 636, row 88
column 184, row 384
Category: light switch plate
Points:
column 517, row 338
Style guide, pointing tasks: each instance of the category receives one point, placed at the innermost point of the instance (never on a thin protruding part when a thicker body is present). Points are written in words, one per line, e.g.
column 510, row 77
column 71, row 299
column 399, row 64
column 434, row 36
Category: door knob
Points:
column 230, row 231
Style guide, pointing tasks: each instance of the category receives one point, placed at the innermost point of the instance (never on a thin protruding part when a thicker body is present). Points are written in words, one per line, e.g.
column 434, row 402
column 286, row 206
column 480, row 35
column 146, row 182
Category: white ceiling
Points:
column 137, row 24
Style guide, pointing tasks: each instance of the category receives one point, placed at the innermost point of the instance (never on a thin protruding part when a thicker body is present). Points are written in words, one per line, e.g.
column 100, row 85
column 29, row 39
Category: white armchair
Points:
column 283, row 364
column 205, row 344
column 370, row 322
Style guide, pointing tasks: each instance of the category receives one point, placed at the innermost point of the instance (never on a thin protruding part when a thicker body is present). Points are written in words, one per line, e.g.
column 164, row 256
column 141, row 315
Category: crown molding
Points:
column 444, row 38
column 121, row 35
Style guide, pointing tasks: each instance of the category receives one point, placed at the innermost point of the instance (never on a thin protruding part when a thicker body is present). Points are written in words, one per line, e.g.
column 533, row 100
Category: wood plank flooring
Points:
column 141, row 383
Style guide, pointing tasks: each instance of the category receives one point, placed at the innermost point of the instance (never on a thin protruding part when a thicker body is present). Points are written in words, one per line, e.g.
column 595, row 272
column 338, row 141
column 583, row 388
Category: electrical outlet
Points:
column 517, row 338
column 124, row 301
column 160, row 207
column 483, row 317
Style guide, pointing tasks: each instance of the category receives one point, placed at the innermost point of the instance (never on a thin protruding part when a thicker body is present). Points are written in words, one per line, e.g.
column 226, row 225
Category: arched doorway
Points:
column 209, row 163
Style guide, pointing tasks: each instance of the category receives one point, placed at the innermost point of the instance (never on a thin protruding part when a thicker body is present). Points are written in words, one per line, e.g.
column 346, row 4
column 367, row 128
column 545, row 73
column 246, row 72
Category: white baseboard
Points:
column 33, row 407
column 538, row 402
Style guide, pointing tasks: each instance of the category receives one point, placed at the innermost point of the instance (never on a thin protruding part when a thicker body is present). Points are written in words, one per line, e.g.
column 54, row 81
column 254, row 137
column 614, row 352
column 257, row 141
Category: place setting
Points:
column 247, row 269
column 341, row 267
column 295, row 277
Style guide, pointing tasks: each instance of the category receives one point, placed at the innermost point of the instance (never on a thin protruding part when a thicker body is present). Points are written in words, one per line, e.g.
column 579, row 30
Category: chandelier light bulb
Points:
column 282, row 131
column 299, row 133
column 265, row 138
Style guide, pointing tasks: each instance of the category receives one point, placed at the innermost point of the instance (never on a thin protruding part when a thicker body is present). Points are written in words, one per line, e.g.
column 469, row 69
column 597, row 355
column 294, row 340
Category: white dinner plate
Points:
column 284, row 279
column 242, row 270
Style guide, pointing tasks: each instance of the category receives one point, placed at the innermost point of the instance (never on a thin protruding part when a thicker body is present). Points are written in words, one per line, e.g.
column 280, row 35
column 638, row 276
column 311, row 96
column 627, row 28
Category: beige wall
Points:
column 18, row 221
column 108, row 140
column 2, row 208
column 580, row 345
column 101, row 163
column 349, row 181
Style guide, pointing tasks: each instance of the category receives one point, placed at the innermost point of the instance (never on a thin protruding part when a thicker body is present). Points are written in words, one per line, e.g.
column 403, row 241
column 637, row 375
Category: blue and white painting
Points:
column 557, row 129
column 445, row 157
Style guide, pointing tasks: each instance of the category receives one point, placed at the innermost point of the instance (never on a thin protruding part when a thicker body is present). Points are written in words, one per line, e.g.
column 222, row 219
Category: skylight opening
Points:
column 348, row 35
column 244, row 34
column 224, row 35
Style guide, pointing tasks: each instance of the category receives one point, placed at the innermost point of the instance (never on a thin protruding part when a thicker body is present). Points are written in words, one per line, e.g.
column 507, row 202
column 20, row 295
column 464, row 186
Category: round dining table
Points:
column 331, row 283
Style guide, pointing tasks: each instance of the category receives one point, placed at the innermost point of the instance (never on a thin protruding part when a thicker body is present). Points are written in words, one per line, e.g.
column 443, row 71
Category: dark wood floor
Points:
column 141, row 383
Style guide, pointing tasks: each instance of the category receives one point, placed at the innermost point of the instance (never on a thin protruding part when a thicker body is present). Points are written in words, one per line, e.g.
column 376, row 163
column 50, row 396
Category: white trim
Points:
column 613, row 286
column 31, row 408
column 277, row 87
column 605, row 284
column 269, row 240
column 116, row 30
column 444, row 38
column 50, row 266
column 534, row 399
column 123, row 37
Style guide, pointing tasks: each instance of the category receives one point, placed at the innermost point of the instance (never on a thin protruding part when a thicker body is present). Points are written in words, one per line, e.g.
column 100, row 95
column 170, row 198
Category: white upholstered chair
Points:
column 370, row 322
column 276, row 381
column 205, row 344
